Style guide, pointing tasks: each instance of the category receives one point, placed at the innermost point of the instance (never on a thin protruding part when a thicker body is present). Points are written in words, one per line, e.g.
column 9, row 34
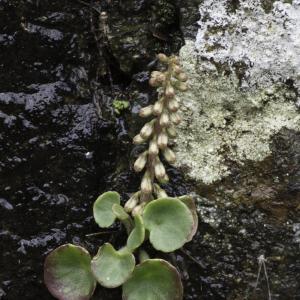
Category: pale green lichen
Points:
column 223, row 123
column 120, row 105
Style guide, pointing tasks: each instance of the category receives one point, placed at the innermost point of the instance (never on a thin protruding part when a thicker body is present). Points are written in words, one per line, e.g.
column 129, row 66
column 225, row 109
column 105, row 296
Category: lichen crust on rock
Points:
column 261, row 45
column 225, row 123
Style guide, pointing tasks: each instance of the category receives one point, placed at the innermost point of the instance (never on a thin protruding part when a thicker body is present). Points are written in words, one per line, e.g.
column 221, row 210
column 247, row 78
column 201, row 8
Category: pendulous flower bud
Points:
column 162, row 140
column 138, row 210
column 141, row 161
column 161, row 78
column 164, row 180
column 177, row 69
column 159, row 192
column 173, row 105
column 146, row 184
column 164, row 119
column 155, row 74
column 158, row 107
column 146, row 111
column 182, row 86
column 154, row 82
column 175, row 60
column 132, row 202
column 159, row 169
column 162, row 57
column 175, row 118
column 153, row 147
column 169, row 155
column 170, row 92
column 147, row 130
column 182, row 77
column 171, row 131
column 137, row 140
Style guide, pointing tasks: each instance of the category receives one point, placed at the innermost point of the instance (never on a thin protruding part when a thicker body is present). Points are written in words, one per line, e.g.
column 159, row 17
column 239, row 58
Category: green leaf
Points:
column 137, row 235
column 67, row 273
column 102, row 209
column 169, row 222
column 112, row 268
column 153, row 279
column 120, row 212
column 190, row 203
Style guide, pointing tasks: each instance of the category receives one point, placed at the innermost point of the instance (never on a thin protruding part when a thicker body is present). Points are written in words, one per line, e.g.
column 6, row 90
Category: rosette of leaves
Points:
column 71, row 273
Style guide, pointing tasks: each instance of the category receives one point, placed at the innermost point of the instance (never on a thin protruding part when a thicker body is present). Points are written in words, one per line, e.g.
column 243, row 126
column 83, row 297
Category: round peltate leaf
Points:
column 102, row 209
column 137, row 235
column 169, row 222
column 153, row 279
column 190, row 203
column 112, row 268
column 67, row 273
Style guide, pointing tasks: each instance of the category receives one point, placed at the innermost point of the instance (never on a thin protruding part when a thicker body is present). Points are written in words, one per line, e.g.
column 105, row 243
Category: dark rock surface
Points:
column 254, row 212
column 61, row 142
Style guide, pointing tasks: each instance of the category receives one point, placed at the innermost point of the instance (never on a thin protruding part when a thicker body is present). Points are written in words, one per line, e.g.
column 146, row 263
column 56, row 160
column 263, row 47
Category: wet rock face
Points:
column 61, row 143
column 140, row 29
column 55, row 151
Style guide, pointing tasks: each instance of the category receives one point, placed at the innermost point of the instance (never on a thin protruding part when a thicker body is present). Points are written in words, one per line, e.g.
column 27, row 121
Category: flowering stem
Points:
column 158, row 131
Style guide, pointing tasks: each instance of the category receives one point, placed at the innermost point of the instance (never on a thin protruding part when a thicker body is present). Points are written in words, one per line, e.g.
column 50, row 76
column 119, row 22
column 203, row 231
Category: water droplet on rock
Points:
column 88, row 155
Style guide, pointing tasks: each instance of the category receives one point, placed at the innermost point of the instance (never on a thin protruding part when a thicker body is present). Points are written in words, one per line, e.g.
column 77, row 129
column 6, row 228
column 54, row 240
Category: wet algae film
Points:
column 62, row 143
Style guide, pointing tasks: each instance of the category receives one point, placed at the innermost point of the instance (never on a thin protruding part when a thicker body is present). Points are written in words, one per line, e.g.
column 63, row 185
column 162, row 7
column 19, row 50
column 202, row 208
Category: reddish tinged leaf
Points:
column 67, row 273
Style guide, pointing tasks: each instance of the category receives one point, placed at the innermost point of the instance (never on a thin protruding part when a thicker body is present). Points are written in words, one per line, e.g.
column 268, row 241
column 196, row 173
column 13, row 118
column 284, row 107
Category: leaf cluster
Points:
column 72, row 274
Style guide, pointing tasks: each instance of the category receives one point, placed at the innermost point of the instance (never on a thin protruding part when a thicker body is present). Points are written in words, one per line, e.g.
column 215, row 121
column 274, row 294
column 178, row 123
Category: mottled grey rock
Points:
column 223, row 122
column 263, row 46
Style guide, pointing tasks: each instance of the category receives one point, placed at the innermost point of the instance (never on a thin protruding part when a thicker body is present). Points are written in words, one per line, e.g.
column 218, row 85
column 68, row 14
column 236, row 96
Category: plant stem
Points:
column 143, row 255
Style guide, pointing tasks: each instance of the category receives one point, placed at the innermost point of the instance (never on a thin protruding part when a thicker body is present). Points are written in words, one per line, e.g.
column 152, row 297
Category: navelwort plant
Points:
column 71, row 274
